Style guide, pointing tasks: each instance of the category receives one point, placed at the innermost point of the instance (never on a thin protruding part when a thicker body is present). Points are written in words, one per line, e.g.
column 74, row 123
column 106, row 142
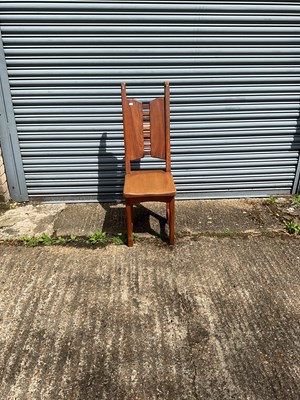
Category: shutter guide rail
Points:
column 9, row 138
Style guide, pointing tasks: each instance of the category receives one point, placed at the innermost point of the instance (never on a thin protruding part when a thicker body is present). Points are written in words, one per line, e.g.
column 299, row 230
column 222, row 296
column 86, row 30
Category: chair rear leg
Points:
column 172, row 221
column 168, row 212
column 129, row 215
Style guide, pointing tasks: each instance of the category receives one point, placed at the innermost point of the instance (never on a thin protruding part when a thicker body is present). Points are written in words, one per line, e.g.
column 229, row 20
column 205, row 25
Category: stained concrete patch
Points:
column 236, row 215
column 287, row 210
column 29, row 220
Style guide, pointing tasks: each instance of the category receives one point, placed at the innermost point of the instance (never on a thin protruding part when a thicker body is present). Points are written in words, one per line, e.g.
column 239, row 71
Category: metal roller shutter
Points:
column 234, row 74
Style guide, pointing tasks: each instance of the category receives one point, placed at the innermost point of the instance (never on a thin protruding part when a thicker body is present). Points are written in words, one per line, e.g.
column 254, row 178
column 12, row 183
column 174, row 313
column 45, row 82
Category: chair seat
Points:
column 149, row 184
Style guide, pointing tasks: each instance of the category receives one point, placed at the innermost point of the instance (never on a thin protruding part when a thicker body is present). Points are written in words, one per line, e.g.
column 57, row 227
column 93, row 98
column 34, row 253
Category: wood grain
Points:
column 149, row 183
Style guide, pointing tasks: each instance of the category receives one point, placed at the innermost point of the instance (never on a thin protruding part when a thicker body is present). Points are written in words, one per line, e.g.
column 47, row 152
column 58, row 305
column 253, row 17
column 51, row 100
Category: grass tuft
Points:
column 119, row 239
column 272, row 200
column 295, row 200
column 292, row 227
column 97, row 237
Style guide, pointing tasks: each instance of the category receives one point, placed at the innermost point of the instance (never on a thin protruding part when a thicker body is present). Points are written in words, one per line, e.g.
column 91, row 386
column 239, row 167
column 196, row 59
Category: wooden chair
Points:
column 147, row 133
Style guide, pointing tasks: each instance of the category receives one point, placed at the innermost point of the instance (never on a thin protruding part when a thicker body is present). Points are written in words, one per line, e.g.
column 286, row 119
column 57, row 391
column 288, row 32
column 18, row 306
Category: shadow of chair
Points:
column 110, row 171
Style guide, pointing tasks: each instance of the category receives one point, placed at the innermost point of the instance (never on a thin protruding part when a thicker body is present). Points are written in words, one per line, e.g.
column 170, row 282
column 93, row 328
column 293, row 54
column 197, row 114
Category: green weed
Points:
column 60, row 240
column 32, row 241
column 73, row 238
column 292, row 227
column 272, row 200
column 46, row 240
column 29, row 241
column 97, row 237
column 295, row 200
column 119, row 239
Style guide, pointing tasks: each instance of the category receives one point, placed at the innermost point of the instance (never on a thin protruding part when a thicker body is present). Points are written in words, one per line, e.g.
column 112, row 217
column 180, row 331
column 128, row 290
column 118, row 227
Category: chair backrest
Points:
column 146, row 128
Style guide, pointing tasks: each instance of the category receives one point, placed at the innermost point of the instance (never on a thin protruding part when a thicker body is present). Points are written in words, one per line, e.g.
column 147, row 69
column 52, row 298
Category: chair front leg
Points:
column 172, row 221
column 129, row 220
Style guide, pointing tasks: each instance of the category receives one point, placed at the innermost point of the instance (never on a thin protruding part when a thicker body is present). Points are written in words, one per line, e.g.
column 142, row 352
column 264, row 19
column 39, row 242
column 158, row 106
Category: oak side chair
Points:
column 147, row 133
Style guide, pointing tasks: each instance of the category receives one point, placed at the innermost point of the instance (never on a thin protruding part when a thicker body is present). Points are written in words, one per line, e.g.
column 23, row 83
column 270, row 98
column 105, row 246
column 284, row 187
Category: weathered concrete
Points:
column 243, row 215
column 209, row 319
column 29, row 220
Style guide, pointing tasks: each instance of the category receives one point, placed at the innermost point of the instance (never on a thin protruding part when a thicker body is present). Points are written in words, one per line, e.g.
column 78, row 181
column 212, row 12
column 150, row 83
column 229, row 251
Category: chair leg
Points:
column 129, row 215
column 168, row 212
column 172, row 221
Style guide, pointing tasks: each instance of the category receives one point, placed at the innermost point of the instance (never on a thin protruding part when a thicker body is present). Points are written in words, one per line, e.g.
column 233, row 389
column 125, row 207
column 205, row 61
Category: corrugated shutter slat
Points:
column 234, row 72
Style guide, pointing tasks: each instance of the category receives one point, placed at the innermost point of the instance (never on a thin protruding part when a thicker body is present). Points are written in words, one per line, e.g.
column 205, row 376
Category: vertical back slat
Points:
column 157, row 128
column 133, row 128
column 135, row 119
column 167, row 126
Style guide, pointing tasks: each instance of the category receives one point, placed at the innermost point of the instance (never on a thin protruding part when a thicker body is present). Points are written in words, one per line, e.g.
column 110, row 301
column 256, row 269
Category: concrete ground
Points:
column 243, row 215
column 214, row 317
